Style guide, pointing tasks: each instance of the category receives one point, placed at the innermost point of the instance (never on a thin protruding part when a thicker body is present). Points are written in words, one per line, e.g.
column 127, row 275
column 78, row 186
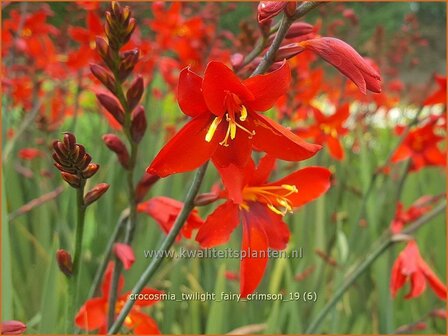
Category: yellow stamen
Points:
column 211, row 131
column 275, row 197
column 275, row 210
column 243, row 115
column 232, row 126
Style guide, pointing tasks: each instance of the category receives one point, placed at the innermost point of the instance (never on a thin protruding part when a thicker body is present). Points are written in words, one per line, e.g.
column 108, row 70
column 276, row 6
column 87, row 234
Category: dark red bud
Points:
column 71, row 179
column 205, row 199
column 138, row 124
column 290, row 8
column 78, row 153
column 13, row 327
column 96, row 192
column 128, row 62
column 84, row 162
column 91, row 169
column 104, row 76
column 269, row 9
column 117, row 146
column 112, row 106
column 64, row 260
column 144, row 185
column 288, row 51
column 102, row 47
column 69, row 141
column 135, row 93
column 298, row 29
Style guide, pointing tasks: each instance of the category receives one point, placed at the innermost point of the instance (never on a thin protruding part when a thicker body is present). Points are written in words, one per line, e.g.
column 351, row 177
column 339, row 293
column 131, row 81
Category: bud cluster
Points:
column 76, row 167
column 72, row 161
column 121, row 103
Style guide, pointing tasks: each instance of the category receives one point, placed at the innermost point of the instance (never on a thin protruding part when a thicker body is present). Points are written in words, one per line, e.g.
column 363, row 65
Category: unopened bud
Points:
column 96, row 192
column 138, row 124
column 288, row 51
column 13, row 328
column 91, row 170
column 143, row 186
column 290, row 8
column 205, row 199
column 237, row 60
column 117, row 146
column 112, row 106
column 298, row 29
column 135, row 93
column 64, row 260
column 129, row 59
column 104, row 76
column 69, row 141
column 269, row 9
column 71, row 179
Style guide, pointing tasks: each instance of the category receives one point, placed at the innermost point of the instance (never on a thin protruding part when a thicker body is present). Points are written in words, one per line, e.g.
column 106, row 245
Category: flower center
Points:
column 275, row 197
column 233, row 108
column 328, row 130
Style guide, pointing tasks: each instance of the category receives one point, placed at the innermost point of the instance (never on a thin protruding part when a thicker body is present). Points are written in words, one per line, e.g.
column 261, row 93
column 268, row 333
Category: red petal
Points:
column 94, row 24
column 218, row 81
column 92, row 315
column 142, row 324
column 311, row 183
column 335, row 148
column 267, row 89
column 277, row 232
column 79, row 34
column 252, row 266
column 435, row 156
column 402, row 153
column 218, row 225
column 418, row 285
column 234, row 179
column 280, row 142
column 437, row 286
column 397, row 279
column 189, row 94
column 125, row 253
column 186, row 151
column 340, row 116
column 237, row 153
column 105, row 286
column 263, row 171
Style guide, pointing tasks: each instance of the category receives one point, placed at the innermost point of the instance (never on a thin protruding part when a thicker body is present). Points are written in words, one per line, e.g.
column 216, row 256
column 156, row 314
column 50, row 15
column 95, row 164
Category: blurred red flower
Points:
column 226, row 124
column 420, row 145
column 29, row 153
column 415, row 211
column 93, row 314
column 125, row 253
column 328, row 129
column 165, row 210
column 411, row 266
column 438, row 97
column 261, row 206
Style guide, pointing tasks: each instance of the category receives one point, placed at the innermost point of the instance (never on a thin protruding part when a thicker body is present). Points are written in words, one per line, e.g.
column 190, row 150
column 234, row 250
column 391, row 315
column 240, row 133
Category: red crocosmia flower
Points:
column 86, row 38
column 261, row 207
column 29, row 153
column 420, row 145
column 226, row 124
column 415, row 211
column 328, row 129
column 125, row 253
column 347, row 61
column 438, row 97
column 411, row 266
column 93, row 314
column 165, row 210
column 13, row 328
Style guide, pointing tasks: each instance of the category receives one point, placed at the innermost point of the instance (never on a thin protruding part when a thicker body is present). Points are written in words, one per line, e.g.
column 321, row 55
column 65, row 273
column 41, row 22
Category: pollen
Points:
column 275, row 197
column 243, row 115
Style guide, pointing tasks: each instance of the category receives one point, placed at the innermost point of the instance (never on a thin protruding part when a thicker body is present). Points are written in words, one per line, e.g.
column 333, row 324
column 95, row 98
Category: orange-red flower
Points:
column 438, row 97
column 93, row 314
column 328, row 129
column 411, row 266
column 226, row 124
column 420, row 145
column 347, row 60
column 415, row 211
column 165, row 210
column 125, row 253
column 261, row 207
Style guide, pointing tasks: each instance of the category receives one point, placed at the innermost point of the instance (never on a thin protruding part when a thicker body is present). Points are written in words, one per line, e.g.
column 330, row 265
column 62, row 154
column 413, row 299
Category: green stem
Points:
column 74, row 280
column 165, row 246
column 380, row 248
